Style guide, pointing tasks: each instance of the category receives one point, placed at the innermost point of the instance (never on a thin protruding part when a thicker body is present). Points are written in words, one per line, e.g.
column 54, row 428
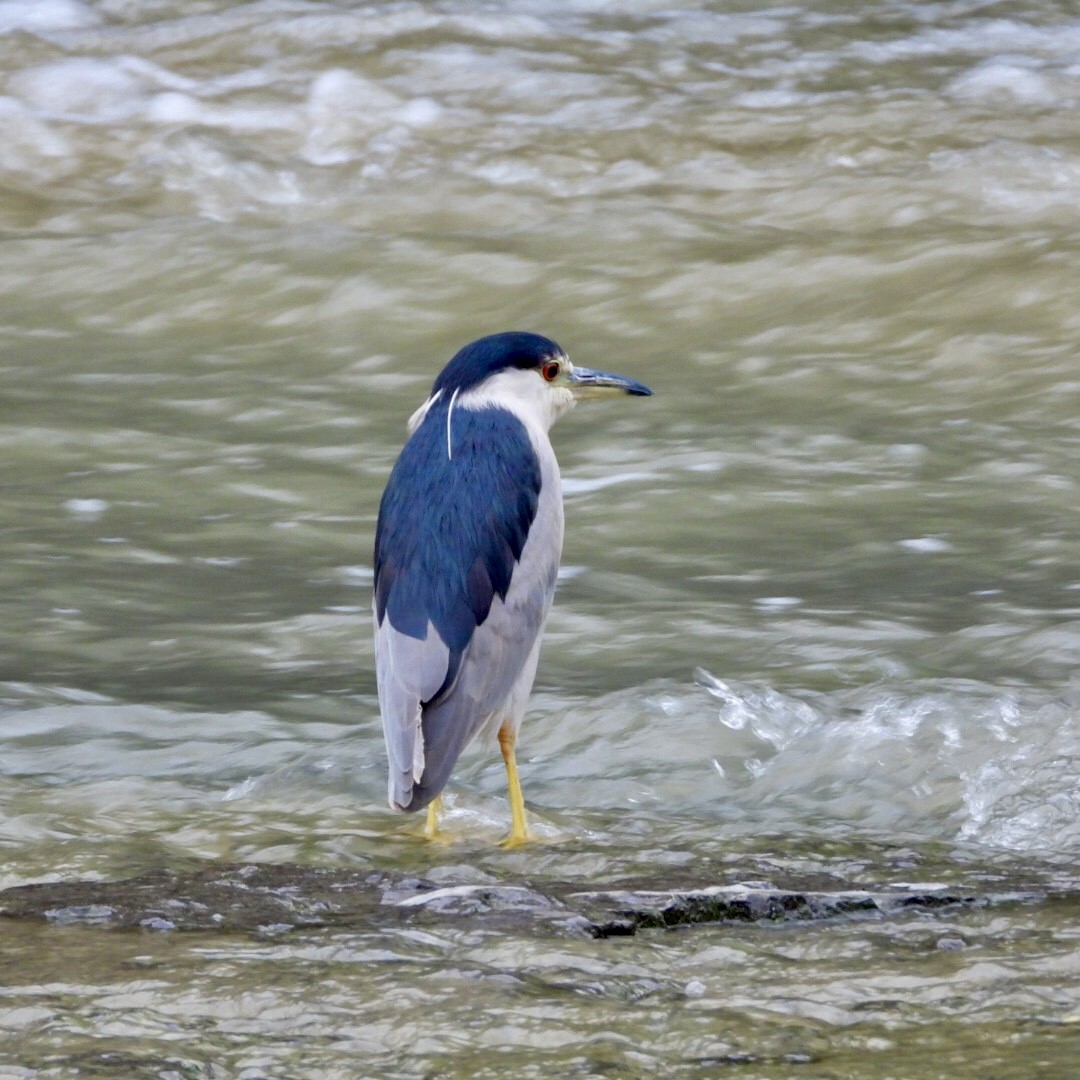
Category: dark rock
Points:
column 274, row 899
column 615, row 913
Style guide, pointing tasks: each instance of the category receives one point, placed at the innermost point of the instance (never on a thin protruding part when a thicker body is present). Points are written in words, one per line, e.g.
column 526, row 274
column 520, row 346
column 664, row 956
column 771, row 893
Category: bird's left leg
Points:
column 519, row 832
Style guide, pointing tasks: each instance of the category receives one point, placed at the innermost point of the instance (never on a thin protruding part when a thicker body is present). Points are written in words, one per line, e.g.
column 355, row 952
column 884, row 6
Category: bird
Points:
column 467, row 548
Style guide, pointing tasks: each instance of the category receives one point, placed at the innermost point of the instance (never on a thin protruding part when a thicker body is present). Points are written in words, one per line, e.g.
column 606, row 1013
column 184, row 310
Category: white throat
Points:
column 536, row 403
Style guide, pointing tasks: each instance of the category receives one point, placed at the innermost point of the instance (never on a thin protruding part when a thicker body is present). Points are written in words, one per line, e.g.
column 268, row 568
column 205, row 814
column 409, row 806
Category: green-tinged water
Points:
column 820, row 601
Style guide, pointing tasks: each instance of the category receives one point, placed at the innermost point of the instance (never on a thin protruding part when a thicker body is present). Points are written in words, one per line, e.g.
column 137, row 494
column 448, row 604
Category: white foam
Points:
column 987, row 36
column 926, row 545
column 155, row 75
column 771, row 99
column 86, row 507
column 345, row 112
column 33, row 151
column 42, row 16
column 1005, row 80
column 420, row 112
column 80, row 88
column 777, row 603
column 173, row 108
column 957, row 759
column 1015, row 178
column 357, row 575
column 580, row 486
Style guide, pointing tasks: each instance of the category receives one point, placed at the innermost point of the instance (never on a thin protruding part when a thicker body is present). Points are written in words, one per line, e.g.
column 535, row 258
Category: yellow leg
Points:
column 519, row 832
column 431, row 827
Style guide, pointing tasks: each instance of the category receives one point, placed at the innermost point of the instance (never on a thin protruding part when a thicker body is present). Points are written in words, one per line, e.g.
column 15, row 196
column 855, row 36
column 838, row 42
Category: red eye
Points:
column 551, row 370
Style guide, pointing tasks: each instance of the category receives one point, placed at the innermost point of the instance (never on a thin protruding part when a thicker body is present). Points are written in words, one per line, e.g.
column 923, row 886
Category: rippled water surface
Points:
column 820, row 602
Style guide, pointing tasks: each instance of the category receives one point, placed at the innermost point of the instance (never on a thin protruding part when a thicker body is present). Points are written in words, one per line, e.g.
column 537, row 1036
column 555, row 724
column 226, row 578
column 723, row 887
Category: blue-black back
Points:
column 452, row 529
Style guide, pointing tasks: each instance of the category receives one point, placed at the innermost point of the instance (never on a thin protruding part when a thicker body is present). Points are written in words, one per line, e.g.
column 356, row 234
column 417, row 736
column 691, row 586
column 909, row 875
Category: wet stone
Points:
column 950, row 944
column 480, row 899
column 155, row 922
column 269, row 900
column 80, row 913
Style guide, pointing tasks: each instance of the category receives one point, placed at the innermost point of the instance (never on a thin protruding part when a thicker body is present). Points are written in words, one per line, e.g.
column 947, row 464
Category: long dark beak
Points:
column 584, row 382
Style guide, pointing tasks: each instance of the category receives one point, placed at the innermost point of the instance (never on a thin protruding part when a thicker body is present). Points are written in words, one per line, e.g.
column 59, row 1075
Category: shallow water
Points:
column 820, row 603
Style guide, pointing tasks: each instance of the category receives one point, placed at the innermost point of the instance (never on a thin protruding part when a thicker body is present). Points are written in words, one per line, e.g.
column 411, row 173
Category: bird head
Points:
column 526, row 373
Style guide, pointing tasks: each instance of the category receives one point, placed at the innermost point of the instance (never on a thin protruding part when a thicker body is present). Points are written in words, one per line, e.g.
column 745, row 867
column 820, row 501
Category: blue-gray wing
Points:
column 461, row 591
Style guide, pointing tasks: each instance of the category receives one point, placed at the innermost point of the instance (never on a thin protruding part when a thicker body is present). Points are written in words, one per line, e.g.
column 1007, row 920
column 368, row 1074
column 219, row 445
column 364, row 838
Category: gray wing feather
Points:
column 409, row 672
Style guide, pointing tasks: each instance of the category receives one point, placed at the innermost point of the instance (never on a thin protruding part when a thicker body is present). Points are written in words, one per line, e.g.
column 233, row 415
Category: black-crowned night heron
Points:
column 466, row 553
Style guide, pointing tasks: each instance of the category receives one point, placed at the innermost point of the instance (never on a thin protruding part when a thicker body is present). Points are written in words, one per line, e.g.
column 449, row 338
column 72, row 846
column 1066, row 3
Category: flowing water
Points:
column 820, row 602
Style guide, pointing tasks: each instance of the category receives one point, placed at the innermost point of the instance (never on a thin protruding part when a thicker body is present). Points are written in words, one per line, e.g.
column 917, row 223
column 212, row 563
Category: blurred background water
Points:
column 820, row 604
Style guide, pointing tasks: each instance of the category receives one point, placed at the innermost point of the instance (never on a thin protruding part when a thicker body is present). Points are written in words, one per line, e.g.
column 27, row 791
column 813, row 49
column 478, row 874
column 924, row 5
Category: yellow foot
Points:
column 516, row 840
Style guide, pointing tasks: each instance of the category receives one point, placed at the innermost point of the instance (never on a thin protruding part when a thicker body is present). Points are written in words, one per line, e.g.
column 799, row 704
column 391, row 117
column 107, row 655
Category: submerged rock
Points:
column 275, row 899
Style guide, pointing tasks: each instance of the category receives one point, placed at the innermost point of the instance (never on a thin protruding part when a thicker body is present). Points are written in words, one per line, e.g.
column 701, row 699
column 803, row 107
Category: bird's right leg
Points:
column 431, row 826
column 519, row 831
